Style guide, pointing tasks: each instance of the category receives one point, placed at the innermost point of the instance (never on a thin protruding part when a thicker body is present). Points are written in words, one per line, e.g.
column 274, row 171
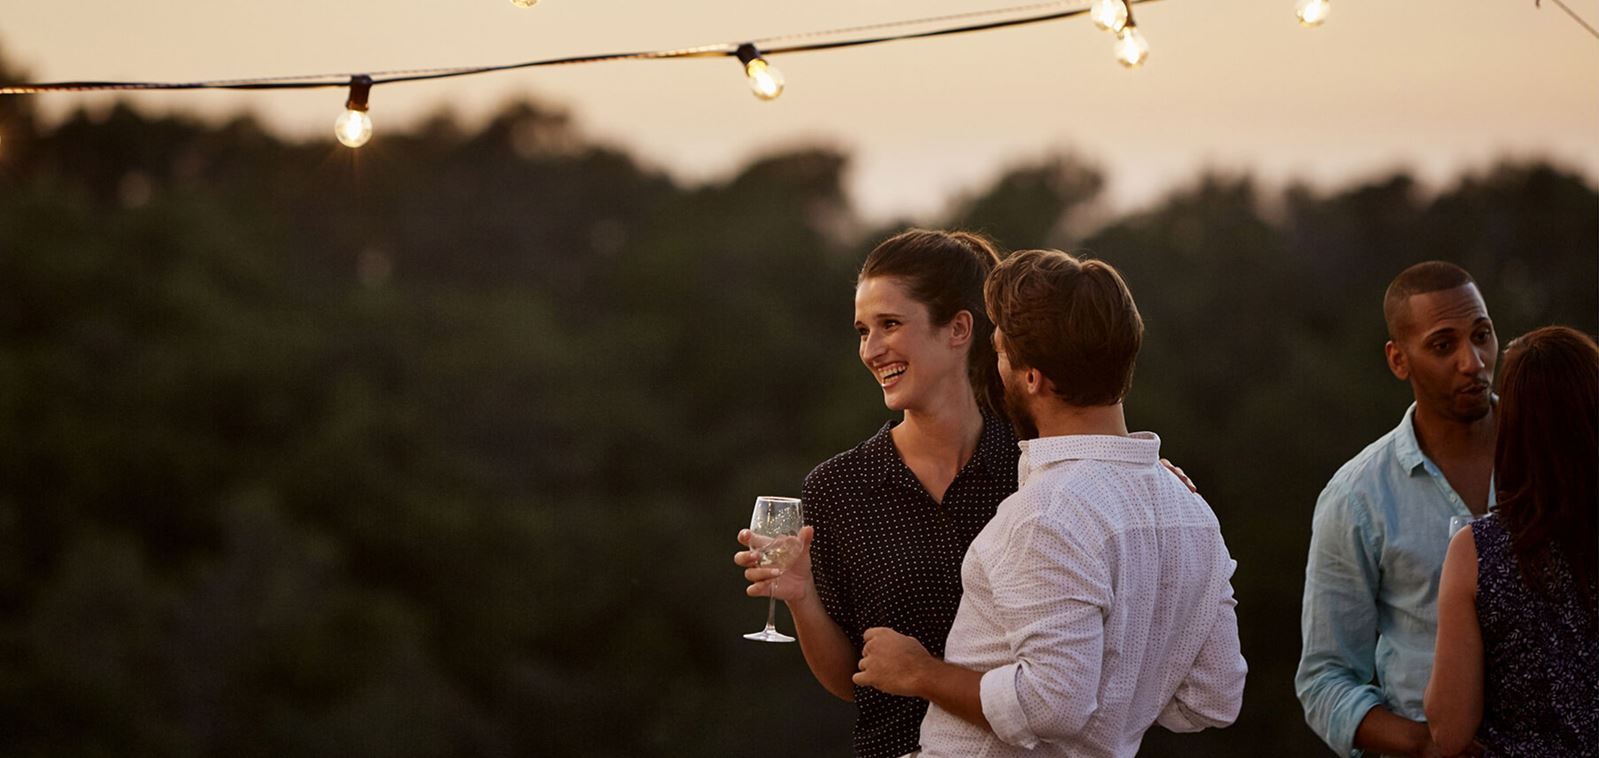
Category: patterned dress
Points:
column 1540, row 655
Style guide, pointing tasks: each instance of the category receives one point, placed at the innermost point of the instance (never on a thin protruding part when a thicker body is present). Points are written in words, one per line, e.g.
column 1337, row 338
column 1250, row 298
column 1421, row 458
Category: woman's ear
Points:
column 960, row 328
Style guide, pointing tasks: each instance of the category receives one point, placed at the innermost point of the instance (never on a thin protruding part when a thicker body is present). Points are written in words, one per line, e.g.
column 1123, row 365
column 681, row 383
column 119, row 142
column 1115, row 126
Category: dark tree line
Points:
column 439, row 448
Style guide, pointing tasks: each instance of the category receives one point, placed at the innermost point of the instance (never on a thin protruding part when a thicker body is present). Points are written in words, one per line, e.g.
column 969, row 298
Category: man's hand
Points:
column 1430, row 749
column 1383, row 731
column 892, row 663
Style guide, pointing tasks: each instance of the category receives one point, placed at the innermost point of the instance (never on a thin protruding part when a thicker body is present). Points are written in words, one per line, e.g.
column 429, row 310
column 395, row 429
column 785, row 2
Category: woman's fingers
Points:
column 761, row 574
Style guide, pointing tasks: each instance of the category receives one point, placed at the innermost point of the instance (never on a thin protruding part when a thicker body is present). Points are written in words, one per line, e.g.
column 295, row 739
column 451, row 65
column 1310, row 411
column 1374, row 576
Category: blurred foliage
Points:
column 439, row 447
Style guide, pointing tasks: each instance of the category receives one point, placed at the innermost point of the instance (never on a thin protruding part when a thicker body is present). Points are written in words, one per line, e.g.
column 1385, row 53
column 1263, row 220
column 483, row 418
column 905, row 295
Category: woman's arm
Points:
column 827, row 650
column 1453, row 701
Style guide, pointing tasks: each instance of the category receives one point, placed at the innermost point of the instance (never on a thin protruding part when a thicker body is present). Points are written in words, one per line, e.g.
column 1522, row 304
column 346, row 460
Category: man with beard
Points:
column 1097, row 601
column 1381, row 526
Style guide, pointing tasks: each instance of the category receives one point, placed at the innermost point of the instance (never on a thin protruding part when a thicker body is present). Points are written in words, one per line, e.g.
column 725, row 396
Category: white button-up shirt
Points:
column 1098, row 601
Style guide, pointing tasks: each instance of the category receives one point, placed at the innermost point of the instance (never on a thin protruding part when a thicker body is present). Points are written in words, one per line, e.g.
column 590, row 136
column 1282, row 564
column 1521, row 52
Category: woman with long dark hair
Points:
column 1516, row 667
column 893, row 516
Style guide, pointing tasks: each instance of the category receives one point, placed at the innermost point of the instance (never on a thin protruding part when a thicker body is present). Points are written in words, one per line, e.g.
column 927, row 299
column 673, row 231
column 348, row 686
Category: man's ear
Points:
column 1396, row 361
column 960, row 329
column 1037, row 383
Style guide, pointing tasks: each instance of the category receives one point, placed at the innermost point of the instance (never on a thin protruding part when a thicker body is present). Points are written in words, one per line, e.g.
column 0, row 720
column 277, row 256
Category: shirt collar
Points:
column 1142, row 448
column 884, row 461
column 991, row 455
column 1406, row 447
column 994, row 447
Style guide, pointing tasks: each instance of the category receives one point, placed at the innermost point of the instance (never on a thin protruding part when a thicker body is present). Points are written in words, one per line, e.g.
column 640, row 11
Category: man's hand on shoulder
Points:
column 892, row 662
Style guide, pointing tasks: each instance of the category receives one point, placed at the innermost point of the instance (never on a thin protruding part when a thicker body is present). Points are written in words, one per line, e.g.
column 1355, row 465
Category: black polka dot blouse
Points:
column 886, row 554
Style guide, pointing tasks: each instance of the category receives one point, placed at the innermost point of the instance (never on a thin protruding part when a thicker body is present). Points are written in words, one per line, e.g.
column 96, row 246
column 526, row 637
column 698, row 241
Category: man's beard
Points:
column 1022, row 421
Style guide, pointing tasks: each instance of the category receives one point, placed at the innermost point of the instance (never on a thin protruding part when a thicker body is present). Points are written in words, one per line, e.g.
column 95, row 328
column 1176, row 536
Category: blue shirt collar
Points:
column 1407, row 448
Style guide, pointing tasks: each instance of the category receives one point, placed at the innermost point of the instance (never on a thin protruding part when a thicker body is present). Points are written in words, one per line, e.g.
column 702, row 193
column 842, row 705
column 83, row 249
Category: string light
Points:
column 1312, row 13
column 1116, row 17
column 765, row 80
column 354, row 127
column 1109, row 15
column 1131, row 49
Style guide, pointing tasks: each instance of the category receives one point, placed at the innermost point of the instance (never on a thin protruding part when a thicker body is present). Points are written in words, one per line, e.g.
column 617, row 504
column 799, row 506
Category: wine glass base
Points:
column 768, row 635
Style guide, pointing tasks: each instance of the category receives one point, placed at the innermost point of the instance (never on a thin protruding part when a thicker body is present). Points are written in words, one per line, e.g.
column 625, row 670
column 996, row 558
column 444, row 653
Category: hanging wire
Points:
column 1038, row 12
column 1571, row 13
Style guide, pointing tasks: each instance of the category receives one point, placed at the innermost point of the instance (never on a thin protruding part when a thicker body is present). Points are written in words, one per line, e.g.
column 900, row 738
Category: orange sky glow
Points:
column 1433, row 86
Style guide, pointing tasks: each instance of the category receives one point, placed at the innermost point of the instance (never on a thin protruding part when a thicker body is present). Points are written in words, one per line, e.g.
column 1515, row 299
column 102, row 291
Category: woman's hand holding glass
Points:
column 786, row 575
column 774, row 538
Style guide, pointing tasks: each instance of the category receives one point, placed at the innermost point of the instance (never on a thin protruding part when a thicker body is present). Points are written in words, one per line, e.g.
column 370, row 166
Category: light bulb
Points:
column 765, row 80
column 1131, row 49
column 1109, row 15
column 524, row 3
column 1312, row 12
column 353, row 128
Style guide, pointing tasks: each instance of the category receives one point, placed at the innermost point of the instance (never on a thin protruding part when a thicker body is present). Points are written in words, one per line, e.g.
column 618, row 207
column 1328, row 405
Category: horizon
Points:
column 1271, row 191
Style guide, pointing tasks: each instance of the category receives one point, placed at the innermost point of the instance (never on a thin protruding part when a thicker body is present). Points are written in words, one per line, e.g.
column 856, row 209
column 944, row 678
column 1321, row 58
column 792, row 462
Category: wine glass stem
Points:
column 771, row 613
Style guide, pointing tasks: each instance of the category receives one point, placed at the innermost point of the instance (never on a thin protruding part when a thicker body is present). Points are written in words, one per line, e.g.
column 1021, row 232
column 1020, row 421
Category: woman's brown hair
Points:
column 1546, row 457
column 944, row 270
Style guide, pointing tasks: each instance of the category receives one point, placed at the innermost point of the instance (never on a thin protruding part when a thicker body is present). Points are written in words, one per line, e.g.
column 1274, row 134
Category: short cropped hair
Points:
column 1073, row 320
column 1420, row 279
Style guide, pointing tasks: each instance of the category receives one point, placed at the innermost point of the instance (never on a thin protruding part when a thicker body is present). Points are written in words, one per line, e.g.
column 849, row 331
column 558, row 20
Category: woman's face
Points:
column 913, row 360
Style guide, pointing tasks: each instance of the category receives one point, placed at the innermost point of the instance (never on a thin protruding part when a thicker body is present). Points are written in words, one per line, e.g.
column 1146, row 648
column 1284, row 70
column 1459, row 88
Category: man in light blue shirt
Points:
column 1381, row 526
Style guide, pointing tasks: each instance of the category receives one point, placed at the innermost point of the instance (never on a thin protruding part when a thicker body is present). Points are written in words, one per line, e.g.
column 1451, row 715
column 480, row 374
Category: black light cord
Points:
column 322, row 81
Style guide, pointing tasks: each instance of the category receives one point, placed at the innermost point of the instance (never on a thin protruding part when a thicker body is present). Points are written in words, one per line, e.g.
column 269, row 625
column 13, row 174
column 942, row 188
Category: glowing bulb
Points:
column 765, row 81
column 1131, row 49
column 1312, row 12
column 524, row 3
column 353, row 128
column 1109, row 15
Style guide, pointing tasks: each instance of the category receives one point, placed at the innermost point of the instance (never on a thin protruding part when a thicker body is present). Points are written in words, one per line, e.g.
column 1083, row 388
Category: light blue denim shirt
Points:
column 1370, row 616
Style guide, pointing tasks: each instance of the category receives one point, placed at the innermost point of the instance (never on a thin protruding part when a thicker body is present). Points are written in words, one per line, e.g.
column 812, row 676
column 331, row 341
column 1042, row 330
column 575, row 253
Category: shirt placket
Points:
column 1456, row 504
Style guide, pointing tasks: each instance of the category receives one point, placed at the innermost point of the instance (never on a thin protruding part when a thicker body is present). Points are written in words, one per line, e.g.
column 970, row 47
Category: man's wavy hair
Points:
column 1073, row 320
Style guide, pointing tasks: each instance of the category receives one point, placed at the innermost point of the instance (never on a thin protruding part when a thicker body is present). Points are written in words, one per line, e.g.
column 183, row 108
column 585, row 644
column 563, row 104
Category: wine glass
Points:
column 774, row 536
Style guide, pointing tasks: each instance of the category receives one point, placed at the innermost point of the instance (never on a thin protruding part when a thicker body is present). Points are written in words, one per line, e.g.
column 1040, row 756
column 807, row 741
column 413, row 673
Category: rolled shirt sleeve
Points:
column 1338, row 621
column 1213, row 692
column 1051, row 597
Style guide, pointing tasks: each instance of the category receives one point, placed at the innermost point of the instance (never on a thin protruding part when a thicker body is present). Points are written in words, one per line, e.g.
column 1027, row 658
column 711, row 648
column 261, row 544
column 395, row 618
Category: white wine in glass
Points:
column 774, row 536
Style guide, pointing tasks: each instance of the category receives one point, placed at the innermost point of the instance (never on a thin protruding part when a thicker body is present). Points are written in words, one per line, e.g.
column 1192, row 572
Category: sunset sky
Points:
column 1434, row 86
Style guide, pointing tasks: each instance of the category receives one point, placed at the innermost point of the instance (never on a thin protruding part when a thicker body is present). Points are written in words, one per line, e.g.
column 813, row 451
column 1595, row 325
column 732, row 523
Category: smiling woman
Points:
column 889, row 520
